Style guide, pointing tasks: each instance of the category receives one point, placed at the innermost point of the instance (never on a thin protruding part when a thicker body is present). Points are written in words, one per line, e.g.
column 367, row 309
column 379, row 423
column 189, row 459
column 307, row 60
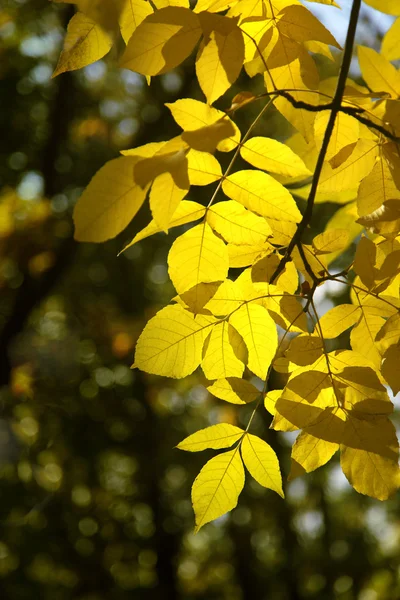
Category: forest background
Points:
column 95, row 500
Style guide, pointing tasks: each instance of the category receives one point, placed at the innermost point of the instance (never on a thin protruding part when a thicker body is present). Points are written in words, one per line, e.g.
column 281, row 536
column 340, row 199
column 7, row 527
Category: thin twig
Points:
column 336, row 106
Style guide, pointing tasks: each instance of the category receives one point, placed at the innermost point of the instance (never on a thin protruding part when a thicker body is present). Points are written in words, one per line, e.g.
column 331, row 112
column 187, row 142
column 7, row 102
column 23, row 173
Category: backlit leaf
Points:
column 259, row 334
column 236, row 224
column 220, row 55
column 261, row 462
column 378, row 73
column 337, row 320
column 109, row 202
column 85, row 42
column 217, row 487
column 162, row 41
column 218, row 436
column 271, row 155
column 197, row 256
column 262, row 194
column 234, row 390
column 222, row 351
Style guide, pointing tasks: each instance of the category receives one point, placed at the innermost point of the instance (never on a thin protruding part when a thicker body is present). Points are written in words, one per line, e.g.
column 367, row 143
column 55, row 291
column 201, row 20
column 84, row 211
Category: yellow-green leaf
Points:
column 369, row 457
column 234, row 390
column 390, row 7
column 218, row 436
column 220, row 55
column 261, row 462
column 217, row 487
column 186, row 212
column 262, row 194
column 166, row 194
column 299, row 24
column 85, row 42
column 346, row 131
column 236, row 224
column 390, row 42
column 331, row 240
column 378, row 73
column 162, row 41
column 270, row 155
column 259, row 333
column 171, row 344
column 133, row 12
column 309, row 451
column 337, row 320
column 193, row 115
column 224, row 352
column 203, row 168
column 197, row 256
column 109, row 202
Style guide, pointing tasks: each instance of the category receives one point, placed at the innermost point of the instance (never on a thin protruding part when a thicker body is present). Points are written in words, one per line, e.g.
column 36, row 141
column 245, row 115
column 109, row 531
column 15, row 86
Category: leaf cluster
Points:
column 344, row 149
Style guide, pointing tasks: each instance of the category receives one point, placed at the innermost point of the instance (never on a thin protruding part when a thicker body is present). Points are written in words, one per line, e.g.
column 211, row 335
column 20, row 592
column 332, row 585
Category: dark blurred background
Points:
column 95, row 500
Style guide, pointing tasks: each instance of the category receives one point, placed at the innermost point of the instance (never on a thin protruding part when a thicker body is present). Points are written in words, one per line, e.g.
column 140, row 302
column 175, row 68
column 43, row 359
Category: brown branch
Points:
column 353, row 111
column 336, row 106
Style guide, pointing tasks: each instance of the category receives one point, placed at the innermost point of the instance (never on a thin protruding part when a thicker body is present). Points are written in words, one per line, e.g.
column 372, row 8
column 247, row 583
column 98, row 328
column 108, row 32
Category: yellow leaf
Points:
column 389, row 334
column 304, row 400
column 220, row 55
column 369, row 457
column 271, row 155
column 132, row 14
column 390, row 42
column 301, row 25
column 171, row 344
column 197, row 256
column 223, row 353
column 203, row 168
column 244, row 255
column 213, row 5
column 285, row 309
column 309, row 452
column 163, row 3
column 364, row 262
column 350, row 173
column 217, row 487
column 197, row 297
column 362, row 337
column 166, row 194
column 304, row 349
column 262, row 194
column 270, row 400
column 258, row 331
column 195, row 116
column 234, row 390
column 387, row 6
column 378, row 73
column 109, row 202
column 261, row 462
column 301, row 75
column 376, row 188
column 345, row 218
column 331, row 240
column 330, row 2
column 162, row 41
column 226, row 299
column 337, row 320
column 186, row 212
column 263, row 269
column 84, row 43
column 390, row 368
column 236, row 224
column 346, row 131
column 218, row 436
